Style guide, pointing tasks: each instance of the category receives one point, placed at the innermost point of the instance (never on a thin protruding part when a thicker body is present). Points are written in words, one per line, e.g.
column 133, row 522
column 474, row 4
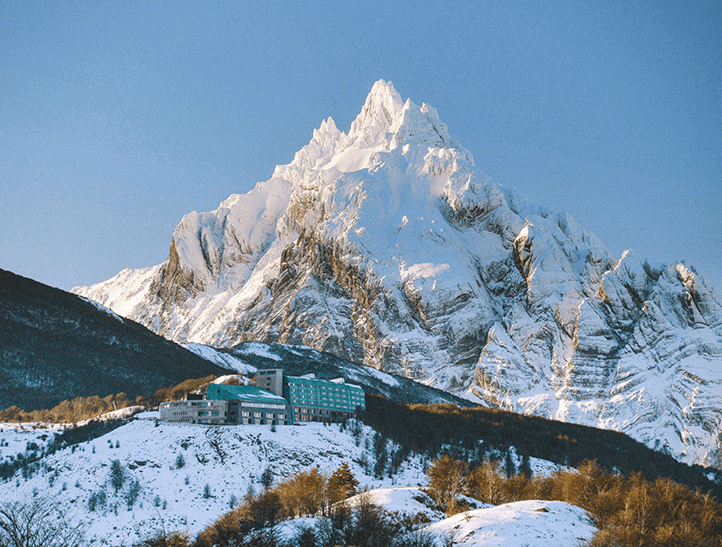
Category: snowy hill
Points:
column 186, row 476
column 387, row 246
column 228, row 459
column 519, row 524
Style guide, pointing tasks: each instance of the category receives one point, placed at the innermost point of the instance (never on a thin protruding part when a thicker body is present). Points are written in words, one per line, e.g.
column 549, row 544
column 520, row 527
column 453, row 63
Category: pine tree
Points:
column 117, row 475
column 267, row 478
column 525, row 466
column 509, row 466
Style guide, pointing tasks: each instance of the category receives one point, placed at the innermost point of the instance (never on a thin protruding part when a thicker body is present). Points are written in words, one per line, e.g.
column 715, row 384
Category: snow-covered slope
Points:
column 173, row 496
column 221, row 358
column 386, row 246
column 519, row 524
column 186, row 476
column 406, row 500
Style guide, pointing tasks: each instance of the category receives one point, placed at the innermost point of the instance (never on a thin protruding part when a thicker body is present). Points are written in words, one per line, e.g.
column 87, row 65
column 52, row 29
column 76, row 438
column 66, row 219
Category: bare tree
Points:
column 164, row 539
column 486, row 482
column 447, row 479
column 39, row 524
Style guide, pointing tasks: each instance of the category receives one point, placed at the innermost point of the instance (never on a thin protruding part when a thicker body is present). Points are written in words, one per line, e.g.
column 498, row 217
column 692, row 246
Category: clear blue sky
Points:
column 117, row 118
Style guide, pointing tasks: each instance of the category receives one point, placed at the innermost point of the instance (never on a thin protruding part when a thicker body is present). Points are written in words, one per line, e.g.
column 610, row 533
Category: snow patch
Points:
column 519, row 524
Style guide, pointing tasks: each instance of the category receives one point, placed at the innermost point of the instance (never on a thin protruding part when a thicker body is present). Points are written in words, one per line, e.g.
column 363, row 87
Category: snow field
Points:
column 519, row 524
column 172, row 493
column 16, row 438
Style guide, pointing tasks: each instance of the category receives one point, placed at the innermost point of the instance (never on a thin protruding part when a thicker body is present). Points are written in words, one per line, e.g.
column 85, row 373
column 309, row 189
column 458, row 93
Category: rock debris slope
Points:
column 386, row 246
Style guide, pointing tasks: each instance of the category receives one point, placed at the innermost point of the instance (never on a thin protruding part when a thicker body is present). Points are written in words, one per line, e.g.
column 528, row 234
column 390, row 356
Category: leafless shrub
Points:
column 38, row 524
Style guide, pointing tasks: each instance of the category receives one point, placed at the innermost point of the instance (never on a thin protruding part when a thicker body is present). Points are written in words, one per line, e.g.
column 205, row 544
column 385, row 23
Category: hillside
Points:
column 184, row 477
column 229, row 459
column 471, row 432
column 386, row 245
column 55, row 346
column 248, row 357
column 145, row 477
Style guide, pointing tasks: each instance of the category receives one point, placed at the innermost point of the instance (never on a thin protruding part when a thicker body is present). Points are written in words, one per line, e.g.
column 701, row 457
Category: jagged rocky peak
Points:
column 386, row 119
column 382, row 110
column 387, row 246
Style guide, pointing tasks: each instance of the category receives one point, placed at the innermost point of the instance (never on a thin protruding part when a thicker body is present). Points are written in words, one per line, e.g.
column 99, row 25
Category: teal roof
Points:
column 224, row 392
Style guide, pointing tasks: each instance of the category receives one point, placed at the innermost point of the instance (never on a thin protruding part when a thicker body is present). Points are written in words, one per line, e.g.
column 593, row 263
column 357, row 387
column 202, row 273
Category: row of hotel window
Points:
column 213, row 417
column 244, row 414
column 186, row 404
column 300, row 414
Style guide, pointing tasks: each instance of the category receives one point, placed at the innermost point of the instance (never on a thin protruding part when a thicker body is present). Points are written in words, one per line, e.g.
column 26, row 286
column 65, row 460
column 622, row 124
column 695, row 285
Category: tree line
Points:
column 71, row 411
column 474, row 433
column 628, row 511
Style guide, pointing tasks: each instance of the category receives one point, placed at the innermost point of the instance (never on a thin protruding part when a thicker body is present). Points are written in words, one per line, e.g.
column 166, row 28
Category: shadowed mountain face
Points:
column 56, row 346
column 387, row 246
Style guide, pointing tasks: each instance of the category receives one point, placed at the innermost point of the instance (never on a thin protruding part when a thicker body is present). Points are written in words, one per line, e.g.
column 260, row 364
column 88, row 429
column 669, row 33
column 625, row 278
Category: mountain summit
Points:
column 386, row 246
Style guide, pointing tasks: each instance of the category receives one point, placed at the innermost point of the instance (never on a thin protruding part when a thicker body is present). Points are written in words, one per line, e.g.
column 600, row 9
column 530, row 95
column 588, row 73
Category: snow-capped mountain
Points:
column 386, row 246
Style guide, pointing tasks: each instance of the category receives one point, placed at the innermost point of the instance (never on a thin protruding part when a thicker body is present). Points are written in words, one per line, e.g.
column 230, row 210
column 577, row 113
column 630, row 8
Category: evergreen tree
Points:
column 117, row 475
column 525, row 466
column 381, row 455
column 509, row 466
column 267, row 478
column 133, row 493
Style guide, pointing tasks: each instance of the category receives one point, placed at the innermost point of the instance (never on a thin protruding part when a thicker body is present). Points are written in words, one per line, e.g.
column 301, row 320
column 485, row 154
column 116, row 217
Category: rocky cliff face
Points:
column 386, row 246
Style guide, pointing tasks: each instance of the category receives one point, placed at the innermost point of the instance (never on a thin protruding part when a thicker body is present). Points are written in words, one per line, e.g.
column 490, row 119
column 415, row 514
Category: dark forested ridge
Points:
column 435, row 429
column 55, row 346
